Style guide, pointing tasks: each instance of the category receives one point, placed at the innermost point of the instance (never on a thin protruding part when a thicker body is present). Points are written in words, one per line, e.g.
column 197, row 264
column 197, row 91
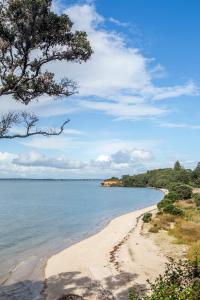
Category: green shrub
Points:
column 196, row 198
column 147, row 217
column 184, row 191
column 132, row 295
column 173, row 196
column 180, row 281
column 163, row 203
column 173, row 210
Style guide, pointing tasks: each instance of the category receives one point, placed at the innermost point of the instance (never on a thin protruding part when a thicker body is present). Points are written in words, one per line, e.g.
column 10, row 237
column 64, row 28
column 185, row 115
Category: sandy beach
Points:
column 107, row 264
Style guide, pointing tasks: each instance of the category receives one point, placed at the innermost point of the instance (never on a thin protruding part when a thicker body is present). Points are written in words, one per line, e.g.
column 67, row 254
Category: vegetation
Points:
column 173, row 210
column 179, row 215
column 180, row 281
column 196, row 198
column 31, row 37
column 147, row 217
column 182, row 190
column 172, row 179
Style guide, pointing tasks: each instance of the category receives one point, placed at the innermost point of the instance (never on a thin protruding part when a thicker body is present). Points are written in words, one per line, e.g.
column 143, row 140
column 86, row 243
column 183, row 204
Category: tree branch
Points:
column 30, row 121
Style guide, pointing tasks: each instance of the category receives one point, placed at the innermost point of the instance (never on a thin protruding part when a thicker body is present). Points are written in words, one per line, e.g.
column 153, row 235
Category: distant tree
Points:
column 182, row 175
column 31, row 36
column 196, row 174
column 127, row 181
column 177, row 166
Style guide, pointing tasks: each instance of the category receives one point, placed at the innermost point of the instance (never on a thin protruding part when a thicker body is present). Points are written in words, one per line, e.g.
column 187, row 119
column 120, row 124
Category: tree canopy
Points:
column 31, row 36
column 177, row 166
column 164, row 178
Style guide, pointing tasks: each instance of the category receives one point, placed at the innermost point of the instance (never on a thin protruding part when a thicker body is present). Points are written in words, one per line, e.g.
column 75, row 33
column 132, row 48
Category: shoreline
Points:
column 95, row 260
column 34, row 283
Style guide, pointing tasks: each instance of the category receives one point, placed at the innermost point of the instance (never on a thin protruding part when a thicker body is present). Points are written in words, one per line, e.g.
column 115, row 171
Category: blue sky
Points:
column 138, row 102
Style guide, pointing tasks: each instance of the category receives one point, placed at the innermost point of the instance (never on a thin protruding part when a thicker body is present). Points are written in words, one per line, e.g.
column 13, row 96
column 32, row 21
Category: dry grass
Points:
column 185, row 229
column 186, row 232
column 162, row 221
column 193, row 215
column 194, row 251
column 188, row 204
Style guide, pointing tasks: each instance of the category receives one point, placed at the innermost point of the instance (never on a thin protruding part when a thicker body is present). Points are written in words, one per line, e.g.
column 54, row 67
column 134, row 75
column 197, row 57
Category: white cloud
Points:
column 37, row 164
column 131, row 156
column 179, row 125
column 35, row 159
column 122, row 160
column 124, row 111
column 118, row 80
column 117, row 22
column 53, row 143
column 118, row 75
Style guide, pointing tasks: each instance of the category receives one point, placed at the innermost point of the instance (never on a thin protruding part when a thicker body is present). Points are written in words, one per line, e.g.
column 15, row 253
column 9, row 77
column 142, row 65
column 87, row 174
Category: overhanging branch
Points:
column 29, row 122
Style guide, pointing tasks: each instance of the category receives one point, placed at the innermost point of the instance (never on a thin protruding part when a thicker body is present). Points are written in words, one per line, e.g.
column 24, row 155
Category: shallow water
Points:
column 38, row 218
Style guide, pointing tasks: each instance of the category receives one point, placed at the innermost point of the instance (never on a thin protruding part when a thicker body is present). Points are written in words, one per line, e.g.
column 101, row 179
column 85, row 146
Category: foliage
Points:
column 31, row 37
column 180, row 281
column 173, row 210
column 196, row 198
column 170, row 198
column 173, row 196
column 163, row 203
column 147, row 217
column 160, row 178
column 184, row 191
column 196, row 174
column 177, row 166
column 132, row 295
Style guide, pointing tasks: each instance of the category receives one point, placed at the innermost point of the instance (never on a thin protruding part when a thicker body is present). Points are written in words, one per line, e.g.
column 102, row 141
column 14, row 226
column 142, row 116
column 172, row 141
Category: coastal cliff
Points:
column 112, row 182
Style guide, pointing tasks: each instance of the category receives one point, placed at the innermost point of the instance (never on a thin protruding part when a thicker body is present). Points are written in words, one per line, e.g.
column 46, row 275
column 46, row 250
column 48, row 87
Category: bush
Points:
column 196, row 198
column 173, row 196
column 180, row 281
column 173, row 210
column 132, row 295
column 147, row 217
column 184, row 191
column 163, row 203
column 168, row 199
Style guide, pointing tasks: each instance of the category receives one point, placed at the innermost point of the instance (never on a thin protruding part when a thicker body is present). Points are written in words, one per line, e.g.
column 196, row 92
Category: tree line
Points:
column 164, row 178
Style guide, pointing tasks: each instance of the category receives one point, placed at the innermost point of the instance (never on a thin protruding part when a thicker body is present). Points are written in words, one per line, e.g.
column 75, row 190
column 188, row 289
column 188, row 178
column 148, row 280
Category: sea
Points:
column 39, row 218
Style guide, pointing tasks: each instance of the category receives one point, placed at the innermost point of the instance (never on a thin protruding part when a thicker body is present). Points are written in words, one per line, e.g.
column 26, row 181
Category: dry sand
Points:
column 105, row 265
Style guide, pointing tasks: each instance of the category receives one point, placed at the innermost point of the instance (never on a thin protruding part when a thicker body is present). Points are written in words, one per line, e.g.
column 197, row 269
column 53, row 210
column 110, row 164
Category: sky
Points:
column 138, row 102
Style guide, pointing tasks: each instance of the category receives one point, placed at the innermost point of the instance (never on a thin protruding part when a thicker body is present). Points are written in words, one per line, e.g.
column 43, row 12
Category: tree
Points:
column 196, row 174
column 177, row 166
column 183, row 190
column 31, row 36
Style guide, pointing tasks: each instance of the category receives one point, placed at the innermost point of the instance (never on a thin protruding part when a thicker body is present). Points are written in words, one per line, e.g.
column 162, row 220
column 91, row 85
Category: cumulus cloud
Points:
column 36, row 163
column 128, row 156
column 122, row 159
column 118, row 80
column 35, row 159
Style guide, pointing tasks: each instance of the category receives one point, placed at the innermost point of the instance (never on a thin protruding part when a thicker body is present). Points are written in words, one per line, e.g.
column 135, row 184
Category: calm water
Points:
column 38, row 218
